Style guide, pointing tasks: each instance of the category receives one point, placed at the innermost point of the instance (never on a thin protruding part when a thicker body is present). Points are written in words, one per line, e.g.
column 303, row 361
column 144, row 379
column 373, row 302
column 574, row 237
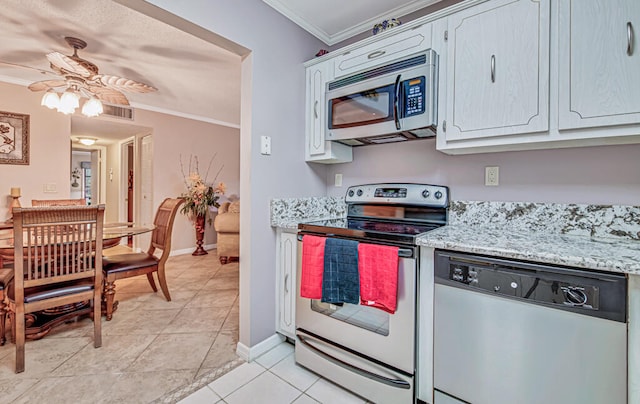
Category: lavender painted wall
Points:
column 273, row 101
column 597, row 175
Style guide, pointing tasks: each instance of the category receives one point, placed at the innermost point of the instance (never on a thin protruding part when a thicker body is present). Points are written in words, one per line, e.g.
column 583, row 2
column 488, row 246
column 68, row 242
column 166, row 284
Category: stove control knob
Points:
column 359, row 192
column 351, row 192
column 438, row 195
column 425, row 193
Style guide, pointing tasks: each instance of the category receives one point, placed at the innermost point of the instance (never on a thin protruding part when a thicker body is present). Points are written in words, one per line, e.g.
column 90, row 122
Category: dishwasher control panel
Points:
column 532, row 287
column 564, row 288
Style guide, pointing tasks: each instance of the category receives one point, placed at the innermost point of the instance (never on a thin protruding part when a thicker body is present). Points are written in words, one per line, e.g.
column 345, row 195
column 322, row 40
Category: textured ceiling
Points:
column 193, row 76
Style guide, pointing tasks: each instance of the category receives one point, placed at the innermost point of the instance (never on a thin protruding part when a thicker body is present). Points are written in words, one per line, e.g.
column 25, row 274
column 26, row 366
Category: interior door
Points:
column 146, row 212
column 96, row 169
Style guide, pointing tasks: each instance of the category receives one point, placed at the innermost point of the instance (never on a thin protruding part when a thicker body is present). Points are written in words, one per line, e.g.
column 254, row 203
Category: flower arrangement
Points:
column 385, row 24
column 75, row 174
column 200, row 194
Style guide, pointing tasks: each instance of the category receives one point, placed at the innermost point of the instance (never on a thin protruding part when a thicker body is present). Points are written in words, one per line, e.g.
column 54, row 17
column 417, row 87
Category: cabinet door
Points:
column 599, row 63
column 383, row 51
column 498, row 70
column 287, row 261
column 318, row 149
column 316, row 79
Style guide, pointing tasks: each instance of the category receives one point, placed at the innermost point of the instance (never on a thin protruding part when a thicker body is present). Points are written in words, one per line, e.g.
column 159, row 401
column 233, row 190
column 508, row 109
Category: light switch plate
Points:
column 265, row 145
column 338, row 180
column 49, row 188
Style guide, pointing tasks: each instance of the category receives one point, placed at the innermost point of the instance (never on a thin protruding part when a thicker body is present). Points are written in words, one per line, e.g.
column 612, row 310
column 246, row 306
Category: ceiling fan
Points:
column 81, row 78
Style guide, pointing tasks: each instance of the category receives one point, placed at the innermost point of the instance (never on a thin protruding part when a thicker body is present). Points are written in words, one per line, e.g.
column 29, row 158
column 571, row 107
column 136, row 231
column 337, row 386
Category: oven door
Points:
column 374, row 333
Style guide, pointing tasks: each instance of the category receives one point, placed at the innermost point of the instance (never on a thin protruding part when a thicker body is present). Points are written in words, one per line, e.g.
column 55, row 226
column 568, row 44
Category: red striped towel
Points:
column 312, row 266
column 378, row 267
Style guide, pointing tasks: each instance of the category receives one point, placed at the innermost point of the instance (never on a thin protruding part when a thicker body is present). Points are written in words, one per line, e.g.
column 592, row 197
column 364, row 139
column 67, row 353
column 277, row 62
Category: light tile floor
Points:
column 273, row 378
column 158, row 351
column 151, row 347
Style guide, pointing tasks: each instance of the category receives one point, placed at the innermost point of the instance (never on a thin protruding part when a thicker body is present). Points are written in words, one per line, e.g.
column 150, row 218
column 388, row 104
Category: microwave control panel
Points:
column 414, row 96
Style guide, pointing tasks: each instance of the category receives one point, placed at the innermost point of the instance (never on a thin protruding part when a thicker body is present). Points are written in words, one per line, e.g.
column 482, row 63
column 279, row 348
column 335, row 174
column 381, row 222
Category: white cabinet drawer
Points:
column 384, row 51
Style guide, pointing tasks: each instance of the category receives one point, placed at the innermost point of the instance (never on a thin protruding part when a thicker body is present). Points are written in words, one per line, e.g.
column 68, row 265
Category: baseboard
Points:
column 191, row 249
column 251, row 353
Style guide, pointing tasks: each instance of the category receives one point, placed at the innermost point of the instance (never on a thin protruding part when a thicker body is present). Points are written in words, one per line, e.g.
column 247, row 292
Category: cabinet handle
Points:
column 315, row 109
column 376, row 54
column 493, row 68
column 286, row 281
column 629, row 38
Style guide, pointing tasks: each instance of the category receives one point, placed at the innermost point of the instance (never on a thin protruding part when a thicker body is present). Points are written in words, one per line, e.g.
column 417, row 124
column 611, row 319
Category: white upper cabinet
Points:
column 497, row 80
column 316, row 79
column 318, row 149
column 599, row 63
column 383, row 51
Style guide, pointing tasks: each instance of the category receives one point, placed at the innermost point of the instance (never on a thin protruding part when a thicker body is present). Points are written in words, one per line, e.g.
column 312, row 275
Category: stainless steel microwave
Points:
column 390, row 103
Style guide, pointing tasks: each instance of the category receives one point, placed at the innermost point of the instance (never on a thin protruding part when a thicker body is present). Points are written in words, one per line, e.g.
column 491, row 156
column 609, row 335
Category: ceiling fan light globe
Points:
column 70, row 100
column 93, row 107
column 66, row 109
column 50, row 100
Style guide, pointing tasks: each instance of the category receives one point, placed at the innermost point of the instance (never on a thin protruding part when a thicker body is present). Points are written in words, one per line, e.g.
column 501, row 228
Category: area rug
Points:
column 184, row 391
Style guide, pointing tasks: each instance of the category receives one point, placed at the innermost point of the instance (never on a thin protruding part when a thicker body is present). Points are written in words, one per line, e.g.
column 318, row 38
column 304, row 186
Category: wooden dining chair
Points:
column 57, row 262
column 6, row 276
column 134, row 264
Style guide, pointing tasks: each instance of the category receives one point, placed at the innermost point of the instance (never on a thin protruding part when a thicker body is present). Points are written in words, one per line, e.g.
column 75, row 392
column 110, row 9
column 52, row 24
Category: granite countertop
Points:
column 287, row 213
column 599, row 237
column 612, row 255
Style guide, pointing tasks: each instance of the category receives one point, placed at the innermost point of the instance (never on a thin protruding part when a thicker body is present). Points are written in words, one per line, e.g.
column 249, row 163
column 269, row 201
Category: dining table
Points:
column 41, row 323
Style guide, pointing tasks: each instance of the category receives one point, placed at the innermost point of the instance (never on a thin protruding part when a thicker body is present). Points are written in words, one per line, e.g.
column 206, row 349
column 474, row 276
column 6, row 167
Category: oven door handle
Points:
column 402, row 252
column 401, row 384
column 405, row 252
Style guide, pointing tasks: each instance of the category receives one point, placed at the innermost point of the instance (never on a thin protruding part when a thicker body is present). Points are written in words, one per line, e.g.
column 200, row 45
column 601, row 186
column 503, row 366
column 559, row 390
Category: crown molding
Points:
column 332, row 39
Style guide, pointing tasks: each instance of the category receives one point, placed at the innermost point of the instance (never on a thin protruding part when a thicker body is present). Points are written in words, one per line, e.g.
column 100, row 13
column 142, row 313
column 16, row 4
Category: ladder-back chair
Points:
column 57, row 262
column 127, row 265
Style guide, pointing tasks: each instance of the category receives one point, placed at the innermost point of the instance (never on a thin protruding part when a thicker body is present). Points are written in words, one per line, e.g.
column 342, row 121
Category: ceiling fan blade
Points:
column 109, row 95
column 46, row 84
column 124, row 84
column 28, row 67
column 67, row 64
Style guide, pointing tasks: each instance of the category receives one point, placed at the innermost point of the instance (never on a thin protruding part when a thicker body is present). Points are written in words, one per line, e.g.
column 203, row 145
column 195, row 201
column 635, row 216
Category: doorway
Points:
column 136, row 168
column 86, row 168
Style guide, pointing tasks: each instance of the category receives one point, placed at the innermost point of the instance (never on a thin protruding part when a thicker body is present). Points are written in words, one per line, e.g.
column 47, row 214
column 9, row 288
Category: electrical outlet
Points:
column 492, row 176
column 338, row 180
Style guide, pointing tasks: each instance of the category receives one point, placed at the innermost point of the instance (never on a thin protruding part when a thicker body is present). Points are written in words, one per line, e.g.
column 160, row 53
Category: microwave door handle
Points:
column 396, row 118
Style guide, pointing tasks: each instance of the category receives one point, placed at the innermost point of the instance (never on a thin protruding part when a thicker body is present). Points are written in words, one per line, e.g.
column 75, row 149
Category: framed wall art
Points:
column 14, row 138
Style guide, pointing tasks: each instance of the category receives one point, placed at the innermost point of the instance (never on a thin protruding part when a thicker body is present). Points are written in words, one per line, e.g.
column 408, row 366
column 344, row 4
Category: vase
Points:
column 200, row 222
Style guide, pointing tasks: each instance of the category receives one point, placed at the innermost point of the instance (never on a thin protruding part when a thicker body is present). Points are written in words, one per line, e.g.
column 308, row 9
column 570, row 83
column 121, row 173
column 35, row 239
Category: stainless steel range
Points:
column 365, row 349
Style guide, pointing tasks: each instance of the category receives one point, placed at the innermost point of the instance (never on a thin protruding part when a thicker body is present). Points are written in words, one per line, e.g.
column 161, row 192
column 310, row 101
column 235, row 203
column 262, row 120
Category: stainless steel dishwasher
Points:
column 509, row 332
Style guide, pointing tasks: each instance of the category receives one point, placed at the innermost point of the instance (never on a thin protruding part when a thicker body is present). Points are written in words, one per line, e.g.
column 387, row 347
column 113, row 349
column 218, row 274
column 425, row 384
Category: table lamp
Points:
column 15, row 203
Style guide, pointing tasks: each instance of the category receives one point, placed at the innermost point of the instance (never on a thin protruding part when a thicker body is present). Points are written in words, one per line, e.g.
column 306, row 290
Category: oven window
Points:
column 369, row 318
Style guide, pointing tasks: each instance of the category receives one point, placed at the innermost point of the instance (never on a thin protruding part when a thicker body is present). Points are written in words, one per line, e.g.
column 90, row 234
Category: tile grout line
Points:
column 203, row 381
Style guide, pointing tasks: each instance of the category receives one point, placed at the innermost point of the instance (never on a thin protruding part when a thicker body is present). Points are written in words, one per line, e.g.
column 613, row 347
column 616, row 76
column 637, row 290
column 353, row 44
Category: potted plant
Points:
column 75, row 174
column 199, row 198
